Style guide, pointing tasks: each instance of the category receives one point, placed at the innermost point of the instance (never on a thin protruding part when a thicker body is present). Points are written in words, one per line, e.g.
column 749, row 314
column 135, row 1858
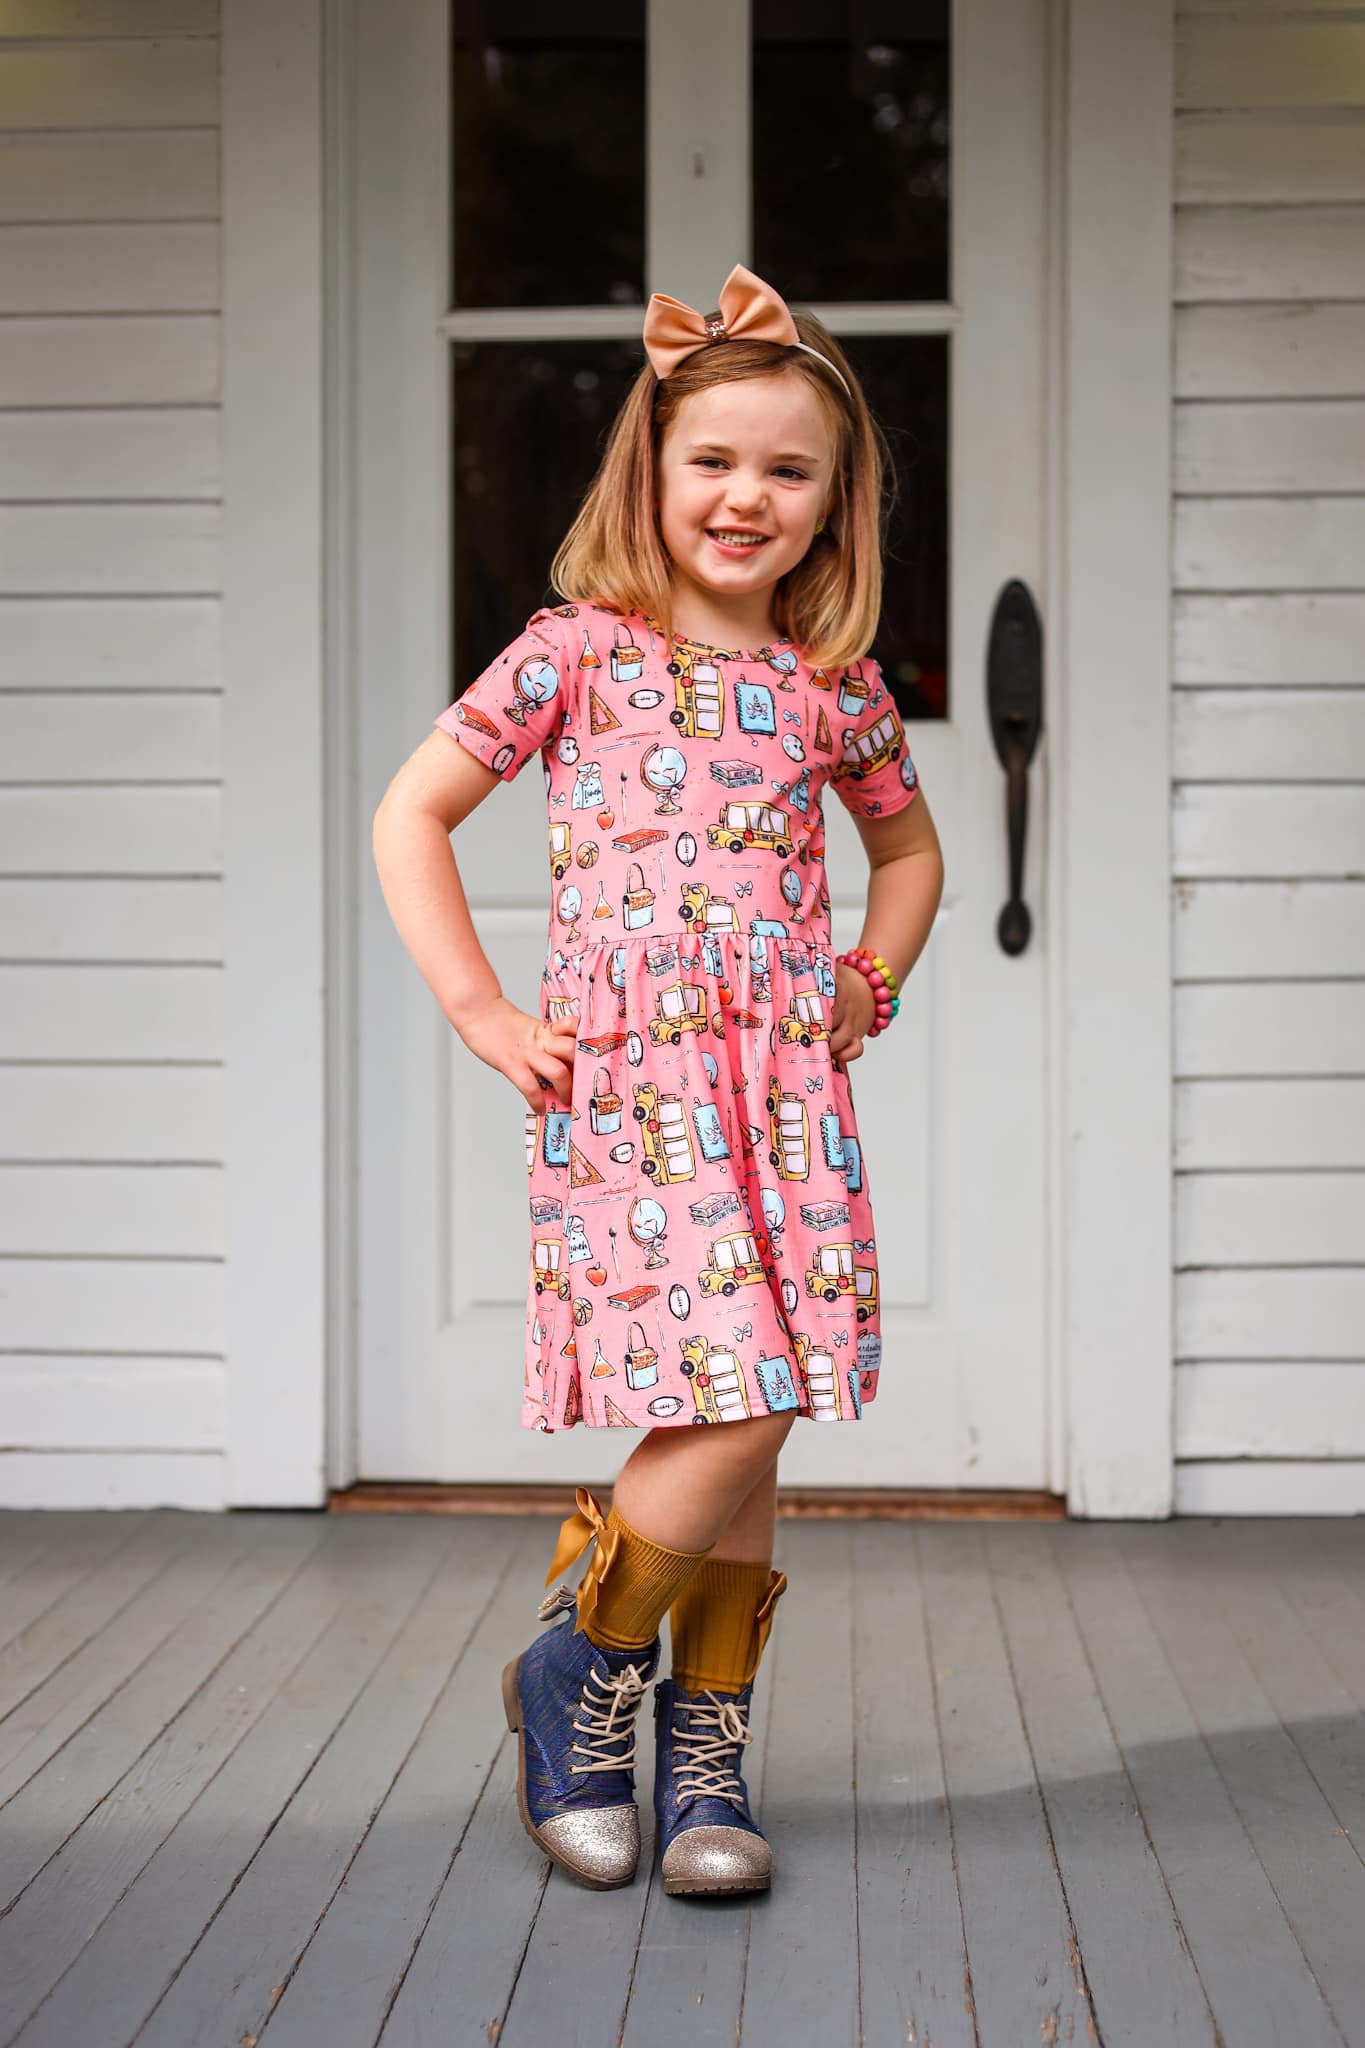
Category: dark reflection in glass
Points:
column 906, row 381
column 851, row 125
column 531, row 422
column 513, row 502
column 548, row 153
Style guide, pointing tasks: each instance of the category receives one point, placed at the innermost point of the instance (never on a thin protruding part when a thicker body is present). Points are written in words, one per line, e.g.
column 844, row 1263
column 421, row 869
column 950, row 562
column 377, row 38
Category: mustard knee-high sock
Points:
column 630, row 1582
column 720, row 1622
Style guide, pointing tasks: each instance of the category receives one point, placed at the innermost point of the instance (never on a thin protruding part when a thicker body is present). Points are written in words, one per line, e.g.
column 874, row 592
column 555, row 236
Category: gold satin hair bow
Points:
column 749, row 310
column 576, row 1532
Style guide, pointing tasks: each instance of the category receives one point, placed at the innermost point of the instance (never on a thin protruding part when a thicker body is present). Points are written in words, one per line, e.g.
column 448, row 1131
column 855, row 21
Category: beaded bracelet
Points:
column 883, row 983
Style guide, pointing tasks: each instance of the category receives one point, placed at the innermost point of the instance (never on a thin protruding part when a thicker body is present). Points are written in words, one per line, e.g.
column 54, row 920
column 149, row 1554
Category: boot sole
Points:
column 679, row 1887
column 511, row 1700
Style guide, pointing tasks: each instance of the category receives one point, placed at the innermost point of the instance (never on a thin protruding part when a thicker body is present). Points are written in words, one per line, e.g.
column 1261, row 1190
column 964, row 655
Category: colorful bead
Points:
column 885, row 988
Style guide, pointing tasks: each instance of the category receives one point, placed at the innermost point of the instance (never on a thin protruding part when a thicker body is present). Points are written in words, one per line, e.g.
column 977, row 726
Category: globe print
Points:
column 647, row 1222
column 664, row 769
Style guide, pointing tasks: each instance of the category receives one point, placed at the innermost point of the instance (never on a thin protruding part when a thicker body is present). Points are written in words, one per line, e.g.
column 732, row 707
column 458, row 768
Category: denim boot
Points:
column 709, row 1839
column 573, row 1707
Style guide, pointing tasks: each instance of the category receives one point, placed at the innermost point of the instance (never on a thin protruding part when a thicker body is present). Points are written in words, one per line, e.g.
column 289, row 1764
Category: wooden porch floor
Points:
column 1024, row 1784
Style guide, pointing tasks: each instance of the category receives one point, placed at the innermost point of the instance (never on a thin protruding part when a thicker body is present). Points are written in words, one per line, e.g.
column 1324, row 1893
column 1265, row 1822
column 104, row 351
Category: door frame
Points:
column 1107, row 601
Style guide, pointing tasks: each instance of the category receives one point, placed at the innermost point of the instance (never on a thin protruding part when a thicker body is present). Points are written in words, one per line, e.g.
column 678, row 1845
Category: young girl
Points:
column 702, row 1242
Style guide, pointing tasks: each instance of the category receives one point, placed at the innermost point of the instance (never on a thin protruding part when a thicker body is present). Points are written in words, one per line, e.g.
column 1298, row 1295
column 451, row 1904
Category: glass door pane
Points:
column 548, row 145
column 851, row 127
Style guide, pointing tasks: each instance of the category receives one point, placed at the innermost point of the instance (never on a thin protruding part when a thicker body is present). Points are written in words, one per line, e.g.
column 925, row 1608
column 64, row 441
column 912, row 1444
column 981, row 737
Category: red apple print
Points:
column 606, row 819
column 597, row 1274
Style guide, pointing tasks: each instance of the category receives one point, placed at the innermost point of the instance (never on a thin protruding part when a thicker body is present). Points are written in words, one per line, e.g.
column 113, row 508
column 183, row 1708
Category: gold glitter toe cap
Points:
column 599, row 1846
column 717, row 1860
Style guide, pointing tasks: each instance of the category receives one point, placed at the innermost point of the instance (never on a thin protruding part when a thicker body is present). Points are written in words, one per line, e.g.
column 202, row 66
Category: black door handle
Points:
column 1014, row 700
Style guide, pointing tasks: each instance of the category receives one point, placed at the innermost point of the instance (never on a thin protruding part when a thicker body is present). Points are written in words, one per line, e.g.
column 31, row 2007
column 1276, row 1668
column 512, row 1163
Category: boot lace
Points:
column 710, row 1734
column 606, row 1715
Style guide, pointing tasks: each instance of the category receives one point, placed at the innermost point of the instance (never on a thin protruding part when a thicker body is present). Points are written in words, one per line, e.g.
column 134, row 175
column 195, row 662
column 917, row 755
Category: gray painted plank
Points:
column 1027, row 1979
column 1142, row 1979
column 687, row 1989
column 914, row 1957
column 459, row 1983
column 1323, row 1573
column 1317, row 1709
column 56, row 1799
column 111, row 1807
column 94, row 1604
column 80, row 1545
column 135, row 1889
column 1253, row 1972
column 801, row 1982
column 461, row 1979
column 1318, row 1878
column 24, row 1535
column 346, row 1981
column 228, row 1987
column 62, row 1705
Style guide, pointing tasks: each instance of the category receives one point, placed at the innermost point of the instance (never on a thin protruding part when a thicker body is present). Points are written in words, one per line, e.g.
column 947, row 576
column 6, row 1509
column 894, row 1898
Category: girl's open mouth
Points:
column 733, row 541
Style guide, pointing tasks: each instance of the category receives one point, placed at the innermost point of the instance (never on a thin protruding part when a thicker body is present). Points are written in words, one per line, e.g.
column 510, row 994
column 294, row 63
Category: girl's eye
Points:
column 799, row 474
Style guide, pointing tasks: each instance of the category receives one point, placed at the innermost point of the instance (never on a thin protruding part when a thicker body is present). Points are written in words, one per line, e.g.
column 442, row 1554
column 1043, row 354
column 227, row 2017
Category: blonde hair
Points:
column 829, row 604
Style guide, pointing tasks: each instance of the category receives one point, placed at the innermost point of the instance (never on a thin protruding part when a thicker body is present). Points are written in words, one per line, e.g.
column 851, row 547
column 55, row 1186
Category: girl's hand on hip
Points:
column 536, row 1056
column 855, row 1012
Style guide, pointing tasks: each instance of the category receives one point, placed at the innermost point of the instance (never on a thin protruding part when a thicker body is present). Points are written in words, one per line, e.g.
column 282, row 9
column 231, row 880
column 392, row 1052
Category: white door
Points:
column 893, row 178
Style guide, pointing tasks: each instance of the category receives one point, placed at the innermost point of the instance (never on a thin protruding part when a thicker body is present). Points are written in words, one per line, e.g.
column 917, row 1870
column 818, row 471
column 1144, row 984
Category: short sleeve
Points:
column 516, row 707
column 873, row 774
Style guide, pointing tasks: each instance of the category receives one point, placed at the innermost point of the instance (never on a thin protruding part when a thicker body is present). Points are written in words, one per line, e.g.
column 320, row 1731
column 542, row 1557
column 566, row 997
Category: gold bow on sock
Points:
column 576, row 1532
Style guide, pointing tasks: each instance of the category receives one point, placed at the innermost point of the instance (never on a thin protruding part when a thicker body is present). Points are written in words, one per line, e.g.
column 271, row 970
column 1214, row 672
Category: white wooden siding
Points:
column 111, row 979
column 1268, row 821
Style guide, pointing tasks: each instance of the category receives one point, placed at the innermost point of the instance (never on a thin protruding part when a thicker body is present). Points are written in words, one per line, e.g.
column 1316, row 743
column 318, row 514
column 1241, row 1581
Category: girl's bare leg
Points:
column 748, row 1536
column 685, row 1488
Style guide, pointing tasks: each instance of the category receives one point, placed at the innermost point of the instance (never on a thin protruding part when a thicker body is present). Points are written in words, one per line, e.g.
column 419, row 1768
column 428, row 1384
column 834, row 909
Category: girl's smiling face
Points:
column 744, row 474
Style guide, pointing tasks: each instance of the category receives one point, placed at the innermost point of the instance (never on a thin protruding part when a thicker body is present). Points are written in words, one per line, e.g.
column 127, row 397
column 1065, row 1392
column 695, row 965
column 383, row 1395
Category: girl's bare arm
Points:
column 903, row 894
column 435, row 790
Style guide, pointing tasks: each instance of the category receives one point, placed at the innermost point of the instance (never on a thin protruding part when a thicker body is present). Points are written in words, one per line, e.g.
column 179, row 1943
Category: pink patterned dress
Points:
column 702, row 1242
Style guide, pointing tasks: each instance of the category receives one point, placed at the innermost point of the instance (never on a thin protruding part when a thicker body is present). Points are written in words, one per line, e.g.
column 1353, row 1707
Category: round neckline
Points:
column 709, row 647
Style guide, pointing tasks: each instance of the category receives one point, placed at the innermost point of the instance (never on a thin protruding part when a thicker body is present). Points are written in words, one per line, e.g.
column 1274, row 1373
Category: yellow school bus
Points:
column 665, row 1140
column 717, row 1382
column 805, row 1020
column 705, row 912
column 682, row 1007
column 833, row 1275
column 699, row 704
column 788, row 1133
column 547, row 1261
column 745, row 825
column 731, row 1262
column 559, row 851
column 825, row 1389
column 865, row 752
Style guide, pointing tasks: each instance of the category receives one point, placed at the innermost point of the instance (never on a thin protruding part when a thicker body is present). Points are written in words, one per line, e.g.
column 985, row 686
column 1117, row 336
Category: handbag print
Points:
column 604, row 1105
column 627, row 660
column 637, row 905
column 642, row 1364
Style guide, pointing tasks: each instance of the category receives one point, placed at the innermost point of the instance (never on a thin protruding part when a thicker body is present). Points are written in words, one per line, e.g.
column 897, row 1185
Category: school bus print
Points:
column 866, row 752
column 805, row 1021
column 788, row 1133
column 731, row 1262
column 831, row 1394
column 746, row 826
column 547, row 1261
column 717, row 1381
column 682, row 1007
column 699, row 703
column 705, row 912
column 560, row 851
column 832, row 1276
column 665, row 1140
